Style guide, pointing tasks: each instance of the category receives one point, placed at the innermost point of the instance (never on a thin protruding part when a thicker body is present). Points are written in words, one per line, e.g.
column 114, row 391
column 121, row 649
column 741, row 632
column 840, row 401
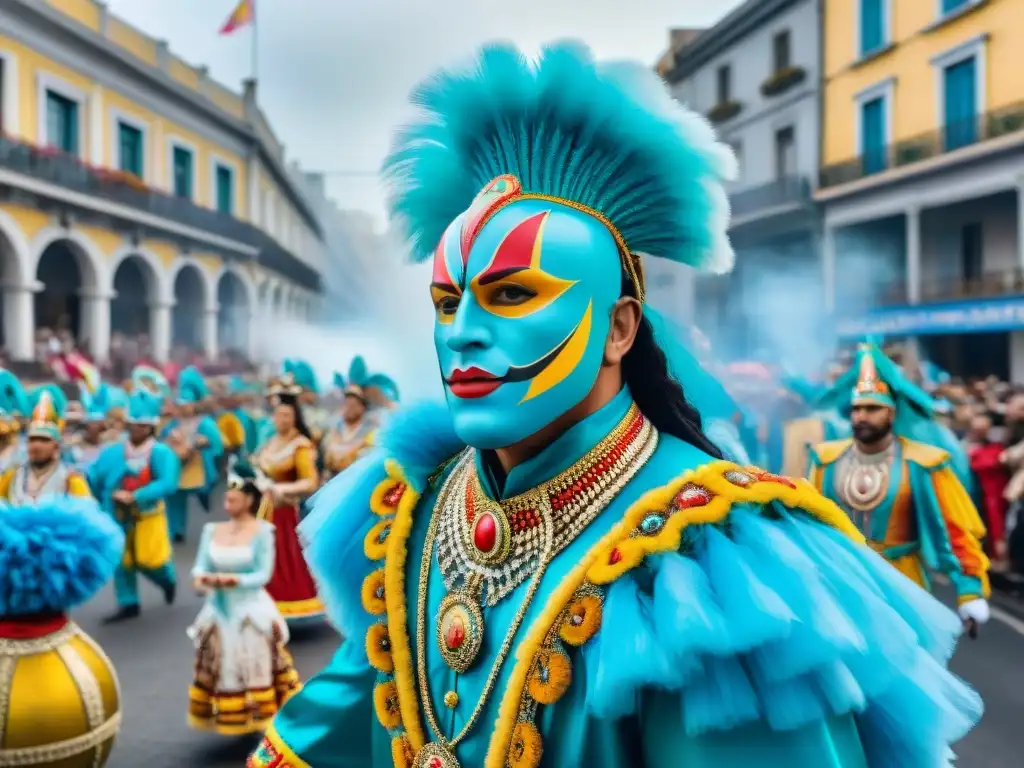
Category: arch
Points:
column 16, row 267
column 159, row 290
column 137, row 288
column 191, row 302
column 209, row 282
column 235, row 303
column 67, row 268
column 253, row 293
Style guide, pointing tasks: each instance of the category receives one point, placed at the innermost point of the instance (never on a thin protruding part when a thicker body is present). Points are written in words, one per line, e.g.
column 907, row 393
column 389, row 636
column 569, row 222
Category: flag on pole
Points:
column 243, row 15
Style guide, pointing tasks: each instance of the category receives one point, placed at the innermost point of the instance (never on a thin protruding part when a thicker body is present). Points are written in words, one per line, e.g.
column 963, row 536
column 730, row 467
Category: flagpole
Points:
column 255, row 44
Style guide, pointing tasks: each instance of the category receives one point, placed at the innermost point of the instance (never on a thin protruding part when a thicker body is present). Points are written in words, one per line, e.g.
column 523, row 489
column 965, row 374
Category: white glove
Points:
column 975, row 610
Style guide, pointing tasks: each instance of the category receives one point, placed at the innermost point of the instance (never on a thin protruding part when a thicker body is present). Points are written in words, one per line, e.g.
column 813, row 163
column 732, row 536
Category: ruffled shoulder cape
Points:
column 749, row 596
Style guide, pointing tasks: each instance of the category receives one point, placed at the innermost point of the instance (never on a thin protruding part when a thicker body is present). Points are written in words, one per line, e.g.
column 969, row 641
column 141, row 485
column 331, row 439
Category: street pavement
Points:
column 154, row 659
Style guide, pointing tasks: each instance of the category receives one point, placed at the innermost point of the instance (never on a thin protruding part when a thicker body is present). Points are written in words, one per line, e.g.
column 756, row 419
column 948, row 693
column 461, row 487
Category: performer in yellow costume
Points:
column 44, row 473
column 903, row 494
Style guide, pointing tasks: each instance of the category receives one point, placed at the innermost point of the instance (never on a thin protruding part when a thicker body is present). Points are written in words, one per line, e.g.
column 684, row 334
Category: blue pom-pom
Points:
column 55, row 555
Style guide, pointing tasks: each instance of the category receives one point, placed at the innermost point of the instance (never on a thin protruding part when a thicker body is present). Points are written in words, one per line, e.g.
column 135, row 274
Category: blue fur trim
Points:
column 420, row 438
column 787, row 622
column 55, row 555
column 608, row 136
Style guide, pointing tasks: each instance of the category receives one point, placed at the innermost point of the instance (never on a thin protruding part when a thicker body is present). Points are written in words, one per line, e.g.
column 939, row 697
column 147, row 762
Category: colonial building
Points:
column 137, row 194
column 755, row 76
column 922, row 177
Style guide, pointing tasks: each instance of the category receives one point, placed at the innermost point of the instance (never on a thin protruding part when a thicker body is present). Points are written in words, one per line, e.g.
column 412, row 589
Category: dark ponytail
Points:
column 658, row 395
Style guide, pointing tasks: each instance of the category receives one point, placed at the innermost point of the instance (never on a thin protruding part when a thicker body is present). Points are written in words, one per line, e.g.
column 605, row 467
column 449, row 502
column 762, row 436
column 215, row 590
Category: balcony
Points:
column 789, row 191
column 998, row 123
column 990, row 285
column 69, row 173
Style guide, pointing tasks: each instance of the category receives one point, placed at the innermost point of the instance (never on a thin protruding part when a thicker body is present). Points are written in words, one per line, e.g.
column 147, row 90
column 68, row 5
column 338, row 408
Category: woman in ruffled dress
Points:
column 286, row 468
column 243, row 673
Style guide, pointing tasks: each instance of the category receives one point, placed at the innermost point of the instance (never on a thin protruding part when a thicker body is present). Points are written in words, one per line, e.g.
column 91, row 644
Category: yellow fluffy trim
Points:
column 273, row 740
column 387, row 496
column 398, row 628
column 374, row 593
column 385, row 704
column 375, row 545
column 527, row 747
column 582, row 619
column 378, row 649
column 629, row 550
column 401, row 752
column 551, row 676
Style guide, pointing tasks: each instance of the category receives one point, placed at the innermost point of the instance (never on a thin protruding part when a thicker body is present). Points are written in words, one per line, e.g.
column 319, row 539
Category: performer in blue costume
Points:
column 382, row 396
column 91, row 438
column 14, row 406
column 132, row 480
column 903, row 493
column 196, row 441
column 558, row 569
column 815, row 425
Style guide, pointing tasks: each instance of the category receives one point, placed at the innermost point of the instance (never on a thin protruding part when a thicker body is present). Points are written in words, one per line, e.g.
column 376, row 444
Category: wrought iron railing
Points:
column 994, row 284
column 788, row 190
column 952, row 136
column 70, row 173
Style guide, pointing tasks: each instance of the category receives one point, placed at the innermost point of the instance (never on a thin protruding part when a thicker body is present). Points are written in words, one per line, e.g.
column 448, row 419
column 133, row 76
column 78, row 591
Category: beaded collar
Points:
column 491, row 547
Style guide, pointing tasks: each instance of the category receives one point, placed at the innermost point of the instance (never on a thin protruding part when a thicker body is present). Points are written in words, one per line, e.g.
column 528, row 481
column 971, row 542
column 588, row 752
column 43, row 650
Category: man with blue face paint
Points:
column 558, row 568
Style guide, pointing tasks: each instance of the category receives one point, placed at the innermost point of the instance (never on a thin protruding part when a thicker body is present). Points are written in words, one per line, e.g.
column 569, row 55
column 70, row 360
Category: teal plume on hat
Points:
column 13, row 398
column 192, row 386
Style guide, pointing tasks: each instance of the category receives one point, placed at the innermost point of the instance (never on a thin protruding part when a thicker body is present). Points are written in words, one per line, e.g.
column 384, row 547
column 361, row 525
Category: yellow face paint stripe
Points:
column 566, row 361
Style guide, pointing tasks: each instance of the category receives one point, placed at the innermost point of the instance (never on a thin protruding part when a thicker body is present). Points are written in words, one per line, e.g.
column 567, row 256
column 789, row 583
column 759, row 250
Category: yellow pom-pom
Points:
column 401, row 752
column 550, row 676
column 526, row 748
column 385, row 704
column 373, row 593
column 582, row 618
column 375, row 545
column 378, row 649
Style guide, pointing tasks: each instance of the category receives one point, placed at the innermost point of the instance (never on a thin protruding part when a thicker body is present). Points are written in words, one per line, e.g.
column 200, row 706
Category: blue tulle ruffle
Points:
column 55, row 554
column 788, row 622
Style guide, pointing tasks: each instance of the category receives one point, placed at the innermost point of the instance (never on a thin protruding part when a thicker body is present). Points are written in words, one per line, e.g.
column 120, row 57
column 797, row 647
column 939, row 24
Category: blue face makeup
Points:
column 523, row 310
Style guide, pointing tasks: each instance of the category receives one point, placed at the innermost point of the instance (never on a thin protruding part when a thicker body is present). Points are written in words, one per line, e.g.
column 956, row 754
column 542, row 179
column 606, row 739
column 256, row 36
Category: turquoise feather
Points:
column 607, row 136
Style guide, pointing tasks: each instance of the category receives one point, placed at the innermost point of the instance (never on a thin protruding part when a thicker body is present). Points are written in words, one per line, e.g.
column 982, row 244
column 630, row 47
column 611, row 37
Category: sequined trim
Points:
column 49, row 754
column 35, row 645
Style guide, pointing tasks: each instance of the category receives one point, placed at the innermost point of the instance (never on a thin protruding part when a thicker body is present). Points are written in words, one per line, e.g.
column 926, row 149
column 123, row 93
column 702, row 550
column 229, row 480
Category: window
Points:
column 182, row 168
column 780, row 51
column 130, row 149
column 948, row 6
column 960, row 100
column 872, row 135
column 61, row 123
column 724, row 84
column 785, row 153
column 872, row 25
column 971, row 252
column 225, row 180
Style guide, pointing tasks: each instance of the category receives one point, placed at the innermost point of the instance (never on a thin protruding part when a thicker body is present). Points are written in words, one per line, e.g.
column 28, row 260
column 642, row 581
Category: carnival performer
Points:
column 287, row 466
column 196, row 441
column 559, row 569
column 235, row 424
column 318, row 418
column 15, row 406
column 44, row 472
column 350, row 435
column 243, row 671
column 133, row 480
column 903, row 494
column 61, row 704
column 93, row 432
column 815, row 425
column 381, row 393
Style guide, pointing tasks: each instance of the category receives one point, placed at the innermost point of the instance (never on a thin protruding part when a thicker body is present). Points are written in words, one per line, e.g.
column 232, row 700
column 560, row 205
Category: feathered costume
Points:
column 55, row 556
column 697, row 612
column 916, row 512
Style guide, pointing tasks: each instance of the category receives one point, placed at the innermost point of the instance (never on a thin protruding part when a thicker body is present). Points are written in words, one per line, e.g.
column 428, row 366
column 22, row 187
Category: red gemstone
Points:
column 394, row 495
column 614, row 557
column 485, row 533
column 435, row 762
column 456, row 634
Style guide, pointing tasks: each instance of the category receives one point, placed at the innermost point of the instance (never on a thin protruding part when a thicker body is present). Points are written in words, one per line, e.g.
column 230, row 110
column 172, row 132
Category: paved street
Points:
column 154, row 660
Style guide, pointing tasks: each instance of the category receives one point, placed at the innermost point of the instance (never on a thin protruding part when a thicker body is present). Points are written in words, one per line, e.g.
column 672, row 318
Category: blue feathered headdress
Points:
column 607, row 136
column 385, row 384
column 55, row 555
column 192, row 386
column 13, row 398
column 357, row 374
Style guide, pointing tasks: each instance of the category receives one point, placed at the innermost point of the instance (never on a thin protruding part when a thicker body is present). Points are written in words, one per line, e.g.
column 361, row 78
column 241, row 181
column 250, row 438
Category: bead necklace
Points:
column 581, row 492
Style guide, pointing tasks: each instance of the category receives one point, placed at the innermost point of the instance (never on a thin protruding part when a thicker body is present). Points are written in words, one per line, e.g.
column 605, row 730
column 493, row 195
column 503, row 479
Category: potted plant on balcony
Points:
column 1006, row 121
column 782, row 80
column 912, row 152
column 723, row 111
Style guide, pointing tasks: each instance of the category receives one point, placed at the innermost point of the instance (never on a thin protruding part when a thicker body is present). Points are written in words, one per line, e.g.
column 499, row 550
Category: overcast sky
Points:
column 334, row 74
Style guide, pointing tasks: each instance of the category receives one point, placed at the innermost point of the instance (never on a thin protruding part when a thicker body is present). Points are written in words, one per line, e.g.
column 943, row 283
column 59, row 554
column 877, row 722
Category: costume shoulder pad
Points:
column 829, row 452
column 754, row 600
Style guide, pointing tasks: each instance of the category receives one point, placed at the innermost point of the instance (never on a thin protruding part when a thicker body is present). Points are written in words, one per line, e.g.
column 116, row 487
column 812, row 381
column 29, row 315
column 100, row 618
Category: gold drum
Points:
column 60, row 703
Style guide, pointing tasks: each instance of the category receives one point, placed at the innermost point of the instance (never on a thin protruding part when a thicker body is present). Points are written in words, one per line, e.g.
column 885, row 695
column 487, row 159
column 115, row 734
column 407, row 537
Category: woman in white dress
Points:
column 243, row 673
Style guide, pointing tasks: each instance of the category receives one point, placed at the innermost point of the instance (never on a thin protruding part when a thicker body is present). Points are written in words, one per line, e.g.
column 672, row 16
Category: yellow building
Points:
column 137, row 194
column 922, row 157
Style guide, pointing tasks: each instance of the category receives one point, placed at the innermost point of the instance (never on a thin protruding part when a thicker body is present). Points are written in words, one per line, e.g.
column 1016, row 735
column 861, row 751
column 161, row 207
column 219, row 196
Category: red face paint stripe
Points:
column 516, row 250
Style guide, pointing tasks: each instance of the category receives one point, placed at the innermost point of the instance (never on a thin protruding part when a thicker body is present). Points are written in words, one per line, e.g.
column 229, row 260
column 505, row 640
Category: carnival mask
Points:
column 523, row 289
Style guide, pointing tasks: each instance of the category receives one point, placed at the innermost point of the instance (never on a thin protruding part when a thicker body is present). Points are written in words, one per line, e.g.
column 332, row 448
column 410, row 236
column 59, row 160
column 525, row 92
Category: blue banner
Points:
column 982, row 316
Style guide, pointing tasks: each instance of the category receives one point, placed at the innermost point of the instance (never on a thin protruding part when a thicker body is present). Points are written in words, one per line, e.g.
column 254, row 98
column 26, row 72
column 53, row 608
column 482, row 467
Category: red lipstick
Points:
column 472, row 383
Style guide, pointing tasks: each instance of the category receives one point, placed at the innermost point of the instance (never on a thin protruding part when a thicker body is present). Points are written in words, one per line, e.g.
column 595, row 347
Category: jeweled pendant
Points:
column 490, row 535
column 435, row 756
column 460, row 629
